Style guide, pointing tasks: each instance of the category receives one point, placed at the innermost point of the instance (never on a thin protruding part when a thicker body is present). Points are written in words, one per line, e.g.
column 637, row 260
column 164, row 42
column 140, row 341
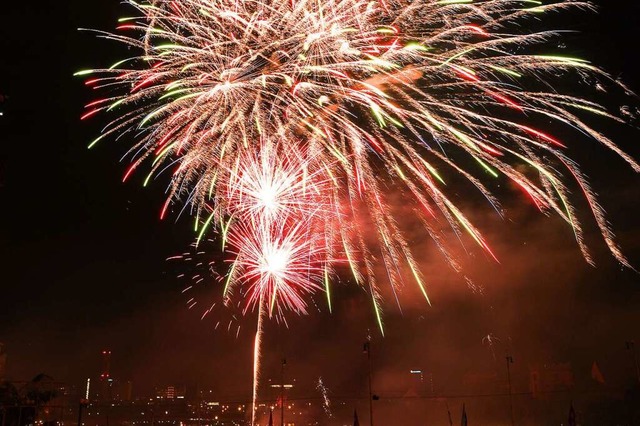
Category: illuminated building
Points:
column 104, row 390
column 171, row 392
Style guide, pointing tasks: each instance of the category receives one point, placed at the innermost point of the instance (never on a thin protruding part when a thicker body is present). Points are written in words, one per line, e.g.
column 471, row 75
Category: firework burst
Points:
column 355, row 92
column 282, row 124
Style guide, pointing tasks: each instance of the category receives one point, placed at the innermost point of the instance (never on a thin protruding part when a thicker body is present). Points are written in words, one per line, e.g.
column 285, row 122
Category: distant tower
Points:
column 87, row 392
column 105, row 376
column 3, row 362
column 106, row 365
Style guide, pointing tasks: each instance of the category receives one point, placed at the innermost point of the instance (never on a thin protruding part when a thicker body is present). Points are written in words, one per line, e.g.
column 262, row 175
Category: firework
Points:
column 355, row 93
column 282, row 124
column 326, row 402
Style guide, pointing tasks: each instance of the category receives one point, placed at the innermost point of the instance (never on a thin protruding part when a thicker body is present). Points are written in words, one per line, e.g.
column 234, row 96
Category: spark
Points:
column 326, row 402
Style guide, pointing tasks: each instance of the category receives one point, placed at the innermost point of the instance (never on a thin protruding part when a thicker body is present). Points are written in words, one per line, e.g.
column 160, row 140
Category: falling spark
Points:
column 257, row 346
column 326, row 402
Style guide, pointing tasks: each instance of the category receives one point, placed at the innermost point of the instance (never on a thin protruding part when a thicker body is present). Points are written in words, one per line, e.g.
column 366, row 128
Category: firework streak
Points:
column 326, row 402
column 283, row 124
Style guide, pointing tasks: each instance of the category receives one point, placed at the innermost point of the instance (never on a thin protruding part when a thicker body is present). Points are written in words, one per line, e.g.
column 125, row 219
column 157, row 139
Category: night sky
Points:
column 84, row 256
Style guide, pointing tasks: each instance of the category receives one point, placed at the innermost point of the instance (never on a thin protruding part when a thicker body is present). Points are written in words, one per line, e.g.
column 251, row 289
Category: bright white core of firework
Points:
column 268, row 198
column 275, row 261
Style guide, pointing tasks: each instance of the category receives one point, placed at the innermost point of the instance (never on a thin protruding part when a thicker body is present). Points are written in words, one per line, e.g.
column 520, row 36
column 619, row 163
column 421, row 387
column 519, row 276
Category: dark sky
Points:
column 84, row 265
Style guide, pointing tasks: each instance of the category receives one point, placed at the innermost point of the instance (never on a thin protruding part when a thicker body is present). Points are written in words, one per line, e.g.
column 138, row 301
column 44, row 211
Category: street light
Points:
column 367, row 349
column 424, row 389
column 284, row 363
column 509, row 359
column 83, row 403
